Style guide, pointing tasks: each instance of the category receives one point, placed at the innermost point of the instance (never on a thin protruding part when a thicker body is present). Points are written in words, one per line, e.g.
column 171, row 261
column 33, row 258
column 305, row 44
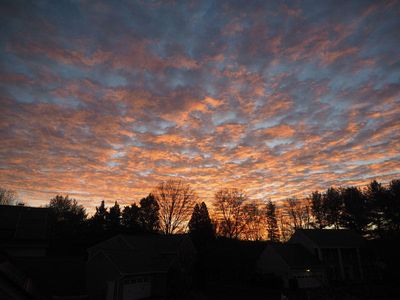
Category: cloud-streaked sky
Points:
column 103, row 100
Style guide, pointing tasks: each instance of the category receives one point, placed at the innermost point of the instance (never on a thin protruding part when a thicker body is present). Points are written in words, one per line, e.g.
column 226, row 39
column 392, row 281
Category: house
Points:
column 339, row 249
column 229, row 262
column 28, row 243
column 25, row 231
column 293, row 263
column 140, row 266
column 14, row 283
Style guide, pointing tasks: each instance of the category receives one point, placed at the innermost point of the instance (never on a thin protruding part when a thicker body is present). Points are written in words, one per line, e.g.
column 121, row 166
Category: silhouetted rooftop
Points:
column 295, row 255
column 155, row 242
column 14, row 282
column 333, row 237
column 21, row 222
column 145, row 253
column 139, row 261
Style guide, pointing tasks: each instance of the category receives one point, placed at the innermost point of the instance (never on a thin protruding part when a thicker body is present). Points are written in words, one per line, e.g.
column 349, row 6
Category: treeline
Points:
column 373, row 211
column 174, row 207
column 72, row 220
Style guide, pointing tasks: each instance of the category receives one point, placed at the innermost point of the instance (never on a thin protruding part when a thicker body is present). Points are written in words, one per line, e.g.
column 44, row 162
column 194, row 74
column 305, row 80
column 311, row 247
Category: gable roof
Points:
column 15, row 280
column 21, row 222
column 151, row 242
column 333, row 237
column 142, row 242
column 295, row 255
column 134, row 262
column 145, row 253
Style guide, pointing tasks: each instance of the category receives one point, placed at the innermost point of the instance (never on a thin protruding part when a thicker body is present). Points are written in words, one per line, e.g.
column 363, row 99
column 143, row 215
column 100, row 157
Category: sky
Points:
column 105, row 99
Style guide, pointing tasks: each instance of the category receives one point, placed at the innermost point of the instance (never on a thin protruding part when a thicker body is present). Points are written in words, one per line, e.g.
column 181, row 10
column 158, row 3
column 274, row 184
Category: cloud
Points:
column 103, row 101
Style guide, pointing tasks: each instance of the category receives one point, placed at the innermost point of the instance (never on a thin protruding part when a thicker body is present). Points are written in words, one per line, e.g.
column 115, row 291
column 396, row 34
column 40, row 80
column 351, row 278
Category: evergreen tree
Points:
column 354, row 214
column 200, row 225
column 377, row 197
column 332, row 202
column 113, row 218
column 393, row 208
column 130, row 217
column 149, row 214
column 318, row 210
column 98, row 220
column 272, row 223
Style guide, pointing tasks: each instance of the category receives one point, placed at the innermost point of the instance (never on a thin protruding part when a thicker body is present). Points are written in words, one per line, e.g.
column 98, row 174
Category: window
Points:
column 136, row 280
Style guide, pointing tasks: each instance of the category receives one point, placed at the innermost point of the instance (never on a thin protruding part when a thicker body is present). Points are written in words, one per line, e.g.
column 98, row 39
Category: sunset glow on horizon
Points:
column 105, row 99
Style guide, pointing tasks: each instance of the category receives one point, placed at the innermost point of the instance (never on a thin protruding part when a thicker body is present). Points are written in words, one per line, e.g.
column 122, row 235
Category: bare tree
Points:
column 254, row 218
column 285, row 228
column 318, row 210
column 176, row 200
column 293, row 212
column 228, row 205
column 7, row 197
column 298, row 212
column 307, row 214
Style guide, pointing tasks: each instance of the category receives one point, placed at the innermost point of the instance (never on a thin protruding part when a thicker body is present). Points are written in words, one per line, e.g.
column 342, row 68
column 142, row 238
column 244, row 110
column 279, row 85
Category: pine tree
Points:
column 200, row 225
column 392, row 213
column 377, row 198
column 272, row 224
column 149, row 214
column 98, row 220
column 333, row 206
column 195, row 218
column 354, row 212
column 130, row 217
column 113, row 218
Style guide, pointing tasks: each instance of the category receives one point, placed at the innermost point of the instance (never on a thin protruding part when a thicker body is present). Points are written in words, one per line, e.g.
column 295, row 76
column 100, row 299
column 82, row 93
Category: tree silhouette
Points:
column 332, row 202
column 298, row 213
column 113, row 218
column 254, row 219
column 68, row 214
column 284, row 224
column 98, row 220
column 130, row 218
column 149, row 214
column 272, row 223
column 176, row 200
column 393, row 208
column 318, row 210
column 228, row 205
column 200, row 225
column 354, row 214
column 377, row 196
column 68, row 209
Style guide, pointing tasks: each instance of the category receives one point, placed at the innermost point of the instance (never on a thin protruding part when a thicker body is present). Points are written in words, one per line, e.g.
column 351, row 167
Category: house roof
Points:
column 21, row 222
column 333, row 237
column 14, row 280
column 147, row 253
column 135, row 262
column 142, row 242
column 232, row 255
column 295, row 255
column 155, row 242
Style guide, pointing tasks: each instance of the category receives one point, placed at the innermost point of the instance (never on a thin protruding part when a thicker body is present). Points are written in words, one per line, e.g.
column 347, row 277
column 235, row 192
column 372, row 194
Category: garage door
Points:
column 136, row 288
